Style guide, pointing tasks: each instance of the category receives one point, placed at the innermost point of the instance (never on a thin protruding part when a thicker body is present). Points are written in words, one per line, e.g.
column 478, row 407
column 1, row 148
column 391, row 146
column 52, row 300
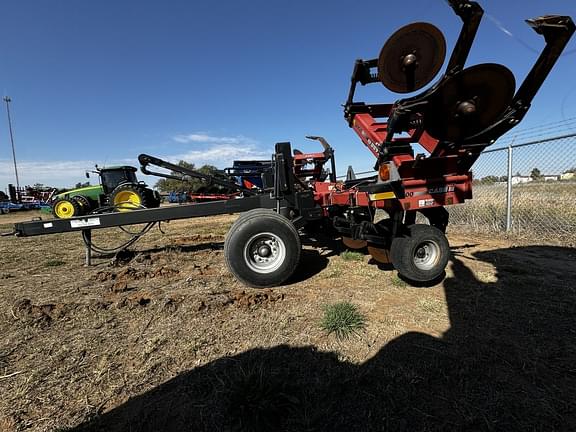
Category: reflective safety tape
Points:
column 382, row 196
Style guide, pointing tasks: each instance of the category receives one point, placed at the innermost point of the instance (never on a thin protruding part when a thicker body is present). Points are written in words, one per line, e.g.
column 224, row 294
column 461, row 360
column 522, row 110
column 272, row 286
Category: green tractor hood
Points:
column 92, row 192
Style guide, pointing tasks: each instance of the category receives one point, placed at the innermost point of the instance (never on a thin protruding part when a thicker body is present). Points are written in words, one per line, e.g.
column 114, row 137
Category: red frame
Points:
column 430, row 182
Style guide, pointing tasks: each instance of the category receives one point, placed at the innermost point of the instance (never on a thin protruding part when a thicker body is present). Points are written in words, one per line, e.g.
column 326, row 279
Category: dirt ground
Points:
column 165, row 339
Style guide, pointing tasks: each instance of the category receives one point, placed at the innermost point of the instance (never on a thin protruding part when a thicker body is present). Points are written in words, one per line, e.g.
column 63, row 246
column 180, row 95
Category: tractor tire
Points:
column 127, row 197
column 85, row 204
column 262, row 248
column 421, row 255
column 63, row 208
column 153, row 198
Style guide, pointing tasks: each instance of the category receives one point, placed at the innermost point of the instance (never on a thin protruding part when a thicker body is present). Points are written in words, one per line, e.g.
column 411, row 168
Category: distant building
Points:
column 568, row 176
column 551, row 177
column 519, row 179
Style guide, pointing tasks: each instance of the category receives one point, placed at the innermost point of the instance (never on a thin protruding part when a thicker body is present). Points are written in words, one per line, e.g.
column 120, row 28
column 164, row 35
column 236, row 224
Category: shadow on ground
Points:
column 506, row 364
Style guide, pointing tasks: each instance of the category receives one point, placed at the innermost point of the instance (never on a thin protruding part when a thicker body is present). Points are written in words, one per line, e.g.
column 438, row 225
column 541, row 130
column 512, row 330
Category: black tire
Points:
column 64, row 208
column 421, row 254
column 262, row 248
column 84, row 203
column 117, row 197
column 153, row 198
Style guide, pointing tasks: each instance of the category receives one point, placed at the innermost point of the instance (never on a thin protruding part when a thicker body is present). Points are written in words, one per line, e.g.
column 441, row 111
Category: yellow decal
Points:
column 382, row 196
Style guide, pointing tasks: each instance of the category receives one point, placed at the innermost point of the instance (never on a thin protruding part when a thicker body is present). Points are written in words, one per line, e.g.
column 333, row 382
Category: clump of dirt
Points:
column 254, row 299
column 104, row 276
column 133, row 274
column 120, row 286
column 6, row 276
column 135, row 301
column 40, row 315
column 241, row 300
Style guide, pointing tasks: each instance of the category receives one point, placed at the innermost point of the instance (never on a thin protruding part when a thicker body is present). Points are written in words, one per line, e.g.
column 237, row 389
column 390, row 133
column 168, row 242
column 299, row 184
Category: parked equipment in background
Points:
column 454, row 120
column 25, row 198
column 119, row 189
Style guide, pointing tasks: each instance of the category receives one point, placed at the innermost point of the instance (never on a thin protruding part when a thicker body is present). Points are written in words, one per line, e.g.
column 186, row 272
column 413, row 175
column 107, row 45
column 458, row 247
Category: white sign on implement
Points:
column 82, row 223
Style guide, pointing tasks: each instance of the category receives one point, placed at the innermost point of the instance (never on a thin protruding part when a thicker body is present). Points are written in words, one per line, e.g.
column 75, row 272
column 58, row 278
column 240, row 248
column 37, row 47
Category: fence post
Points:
column 509, row 192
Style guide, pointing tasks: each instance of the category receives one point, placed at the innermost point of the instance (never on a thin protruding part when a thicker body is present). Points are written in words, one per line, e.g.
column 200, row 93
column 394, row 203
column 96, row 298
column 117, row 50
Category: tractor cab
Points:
column 112, row 177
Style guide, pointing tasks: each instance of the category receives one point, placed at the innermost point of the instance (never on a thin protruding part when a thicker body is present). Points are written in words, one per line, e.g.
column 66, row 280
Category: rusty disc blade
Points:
column 380, row 255
column 411, row 57
column 469, row 102
column 353, row 244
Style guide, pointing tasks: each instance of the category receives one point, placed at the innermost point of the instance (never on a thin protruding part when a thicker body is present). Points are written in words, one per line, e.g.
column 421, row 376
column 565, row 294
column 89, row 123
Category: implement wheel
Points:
column 421, row 255
column 66, row 208
column 262, row 248
column 128, row 197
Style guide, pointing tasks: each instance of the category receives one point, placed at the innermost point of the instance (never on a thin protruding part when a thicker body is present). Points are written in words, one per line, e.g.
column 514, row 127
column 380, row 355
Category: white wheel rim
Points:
column 426, row 255
column 264, row 253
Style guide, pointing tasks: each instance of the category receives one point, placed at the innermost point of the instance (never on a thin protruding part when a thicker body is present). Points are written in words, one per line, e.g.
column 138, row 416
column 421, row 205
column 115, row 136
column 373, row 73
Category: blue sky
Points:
column 209, row 82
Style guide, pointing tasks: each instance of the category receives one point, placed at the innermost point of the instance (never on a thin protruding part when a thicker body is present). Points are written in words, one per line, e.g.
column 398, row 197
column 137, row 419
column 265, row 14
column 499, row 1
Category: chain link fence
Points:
column 527, row 190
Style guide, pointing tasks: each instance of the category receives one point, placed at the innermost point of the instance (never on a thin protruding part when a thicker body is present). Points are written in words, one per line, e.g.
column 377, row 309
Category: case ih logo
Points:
column 432, row 191
column 441, row 190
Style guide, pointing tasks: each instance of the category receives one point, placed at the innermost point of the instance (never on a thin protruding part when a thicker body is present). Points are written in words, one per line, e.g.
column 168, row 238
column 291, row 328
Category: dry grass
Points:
column 544, row 210
column 166, row 339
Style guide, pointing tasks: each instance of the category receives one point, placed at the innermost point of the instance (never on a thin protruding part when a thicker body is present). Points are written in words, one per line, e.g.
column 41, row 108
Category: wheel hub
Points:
column 64, row 209
column 264, row 253
column 426, row 255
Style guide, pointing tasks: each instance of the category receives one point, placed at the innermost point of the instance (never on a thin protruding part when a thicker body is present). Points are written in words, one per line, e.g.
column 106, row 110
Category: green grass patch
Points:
column 343, row 320
column 352, row 256
column 54, row 263
column 397, row 281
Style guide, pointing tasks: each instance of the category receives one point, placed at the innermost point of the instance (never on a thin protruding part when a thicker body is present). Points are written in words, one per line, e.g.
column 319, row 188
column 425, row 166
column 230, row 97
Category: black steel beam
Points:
column 107, row 220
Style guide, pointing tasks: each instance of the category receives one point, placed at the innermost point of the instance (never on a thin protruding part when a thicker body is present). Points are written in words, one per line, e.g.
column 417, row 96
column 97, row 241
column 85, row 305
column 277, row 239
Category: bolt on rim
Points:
column 426, row 255
column 264, row 253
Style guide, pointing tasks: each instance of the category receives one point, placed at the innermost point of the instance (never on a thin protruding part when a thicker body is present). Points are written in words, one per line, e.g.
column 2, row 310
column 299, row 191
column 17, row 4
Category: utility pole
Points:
column 7, row 99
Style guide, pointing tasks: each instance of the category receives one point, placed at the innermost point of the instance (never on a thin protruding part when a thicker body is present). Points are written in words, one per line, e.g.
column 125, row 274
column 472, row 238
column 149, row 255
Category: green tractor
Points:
column 119, row 189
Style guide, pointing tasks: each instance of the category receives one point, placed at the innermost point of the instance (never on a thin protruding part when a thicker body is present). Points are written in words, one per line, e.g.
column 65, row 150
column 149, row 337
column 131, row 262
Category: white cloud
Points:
column 204, row 138
column 221, row 155
column 220, row 151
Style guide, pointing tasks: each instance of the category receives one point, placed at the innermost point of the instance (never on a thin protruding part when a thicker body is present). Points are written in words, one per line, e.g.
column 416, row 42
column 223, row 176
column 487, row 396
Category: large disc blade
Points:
column 469, row 102
column 380, row 255
column 354, row 244
column 411, row 58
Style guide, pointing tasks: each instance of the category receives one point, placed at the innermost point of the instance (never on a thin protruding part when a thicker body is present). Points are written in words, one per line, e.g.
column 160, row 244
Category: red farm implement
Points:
column 451, row 121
